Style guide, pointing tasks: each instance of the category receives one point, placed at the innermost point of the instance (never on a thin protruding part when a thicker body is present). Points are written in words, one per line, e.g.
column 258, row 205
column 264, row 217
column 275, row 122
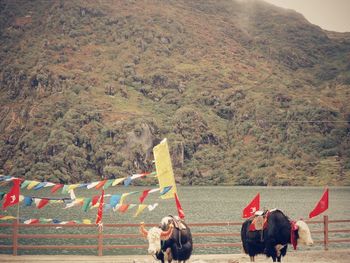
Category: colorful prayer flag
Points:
column 164, row 168
column 108, row 184
column 2, row 194
column 56, row 187
column 7, row 217
column 48, row 184
column 92, row 185
column 118, row 181
column 127, row 181
column 72, row 187
column 322, row 205
column 140, row 209
column 25, row 184
column 32, row 185
column 114, row 200
column 86, row 221
column 39, row 186
column 86, row 205
column 95, row 200
column 144, row 195
column 252, row 207
column 165, row 190
column 28, row 201
column 122, row 198
column 45, row 220
column 4, row 177
column 65, row 189
column 123, row 208
column 42, row 203
column 100, row 184
column 152, row 207
column 31, row 221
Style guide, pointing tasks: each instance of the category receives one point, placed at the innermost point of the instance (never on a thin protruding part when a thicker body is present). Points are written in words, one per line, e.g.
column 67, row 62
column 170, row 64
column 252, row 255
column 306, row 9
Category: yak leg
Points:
column 252, row 259
column 271, row 250
column 167, row 255
column 278, row 248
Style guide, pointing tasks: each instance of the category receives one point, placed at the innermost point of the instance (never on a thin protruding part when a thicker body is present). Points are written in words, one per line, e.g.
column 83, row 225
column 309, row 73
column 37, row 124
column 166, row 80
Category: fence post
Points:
column 325, row 229
column 100, row 240
column 15, row 238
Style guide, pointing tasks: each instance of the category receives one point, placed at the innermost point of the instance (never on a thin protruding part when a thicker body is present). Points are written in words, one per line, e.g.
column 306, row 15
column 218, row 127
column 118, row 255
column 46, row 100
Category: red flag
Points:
column 100, row 184
column 95, row 200
column 56, row 187
column 31, row 221
column 42, row 203
column 123, row 208
column 321, row 206
column 144, row 195
column 100, row 209
column 12, row 197
column 253, row 206
column 180, row 211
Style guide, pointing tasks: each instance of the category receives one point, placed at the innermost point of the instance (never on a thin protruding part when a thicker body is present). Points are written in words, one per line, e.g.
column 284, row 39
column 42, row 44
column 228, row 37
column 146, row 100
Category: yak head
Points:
column 166, row 222
column 154, row 236
column 304, row 233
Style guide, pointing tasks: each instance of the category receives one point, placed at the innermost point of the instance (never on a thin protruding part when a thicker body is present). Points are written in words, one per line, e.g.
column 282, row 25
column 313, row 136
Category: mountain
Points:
column 246, row 93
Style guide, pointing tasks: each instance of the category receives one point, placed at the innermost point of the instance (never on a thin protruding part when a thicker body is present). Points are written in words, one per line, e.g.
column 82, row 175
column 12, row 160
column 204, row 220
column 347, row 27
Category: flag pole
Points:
column 15, row 231
column 17, row 213
column 19, row 193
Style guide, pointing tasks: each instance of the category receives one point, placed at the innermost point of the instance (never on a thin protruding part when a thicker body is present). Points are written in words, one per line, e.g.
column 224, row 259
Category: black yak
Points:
column 278, row 231
column 171, row 240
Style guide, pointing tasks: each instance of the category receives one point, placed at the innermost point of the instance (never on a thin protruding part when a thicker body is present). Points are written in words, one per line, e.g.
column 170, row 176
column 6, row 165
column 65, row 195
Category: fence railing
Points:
column 102, row 234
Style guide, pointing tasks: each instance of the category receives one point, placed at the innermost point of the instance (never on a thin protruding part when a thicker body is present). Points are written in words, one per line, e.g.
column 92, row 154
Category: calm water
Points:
column 200, row 204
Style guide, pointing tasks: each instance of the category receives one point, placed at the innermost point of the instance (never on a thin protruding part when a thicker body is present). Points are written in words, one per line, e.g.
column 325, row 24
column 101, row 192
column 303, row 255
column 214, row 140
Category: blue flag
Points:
column 165, row 190
column 114, row 200
column 28, row 201
column 127, row 181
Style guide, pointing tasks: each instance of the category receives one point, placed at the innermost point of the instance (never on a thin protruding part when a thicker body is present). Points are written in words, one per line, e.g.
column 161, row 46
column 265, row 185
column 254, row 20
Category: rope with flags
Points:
column 105, row 184
column 116, row 202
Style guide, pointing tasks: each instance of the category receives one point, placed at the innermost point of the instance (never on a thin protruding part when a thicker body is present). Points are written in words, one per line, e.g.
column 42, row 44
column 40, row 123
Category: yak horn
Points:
column 143, row 230
column 165, row 235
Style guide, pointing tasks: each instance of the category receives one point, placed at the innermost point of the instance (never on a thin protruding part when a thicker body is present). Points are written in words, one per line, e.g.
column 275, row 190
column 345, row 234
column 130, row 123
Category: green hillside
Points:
column 246, row 93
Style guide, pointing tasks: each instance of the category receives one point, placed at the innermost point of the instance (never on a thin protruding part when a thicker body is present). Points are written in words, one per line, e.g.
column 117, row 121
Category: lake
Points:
column 200, row 204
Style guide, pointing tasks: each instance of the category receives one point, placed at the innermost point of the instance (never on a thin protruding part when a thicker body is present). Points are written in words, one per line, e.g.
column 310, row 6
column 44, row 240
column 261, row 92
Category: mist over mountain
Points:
column 246, row 93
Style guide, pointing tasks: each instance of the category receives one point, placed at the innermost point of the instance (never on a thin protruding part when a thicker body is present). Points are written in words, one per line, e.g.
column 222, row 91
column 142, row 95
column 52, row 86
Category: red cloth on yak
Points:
column 293, row 238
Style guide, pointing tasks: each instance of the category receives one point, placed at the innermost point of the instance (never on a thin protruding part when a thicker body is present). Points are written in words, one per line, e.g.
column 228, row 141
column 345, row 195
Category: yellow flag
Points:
column 118, row 181
column 32, row 184
column 72, row 186
column 164, row 168
column 86, row 221
column 7, row 217
column 140, row 209
column 122, row 198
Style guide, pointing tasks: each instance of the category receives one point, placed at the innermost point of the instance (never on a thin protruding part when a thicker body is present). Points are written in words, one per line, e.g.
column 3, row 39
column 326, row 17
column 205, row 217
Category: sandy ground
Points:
column 333, row 256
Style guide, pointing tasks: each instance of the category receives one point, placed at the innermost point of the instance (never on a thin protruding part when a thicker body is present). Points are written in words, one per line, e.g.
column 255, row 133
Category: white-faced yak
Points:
column 172, row 240
column 272, row 235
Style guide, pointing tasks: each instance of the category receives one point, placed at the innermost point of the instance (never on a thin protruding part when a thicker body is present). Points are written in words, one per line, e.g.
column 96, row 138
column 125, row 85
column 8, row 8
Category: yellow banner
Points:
column 164, row 168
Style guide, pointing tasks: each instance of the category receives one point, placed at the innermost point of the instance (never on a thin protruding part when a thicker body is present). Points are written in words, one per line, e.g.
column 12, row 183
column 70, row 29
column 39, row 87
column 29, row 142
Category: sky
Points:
column 333, row 15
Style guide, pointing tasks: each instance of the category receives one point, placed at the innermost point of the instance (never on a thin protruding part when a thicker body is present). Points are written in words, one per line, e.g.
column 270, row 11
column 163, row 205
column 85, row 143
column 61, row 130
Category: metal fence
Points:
column 319, row 229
